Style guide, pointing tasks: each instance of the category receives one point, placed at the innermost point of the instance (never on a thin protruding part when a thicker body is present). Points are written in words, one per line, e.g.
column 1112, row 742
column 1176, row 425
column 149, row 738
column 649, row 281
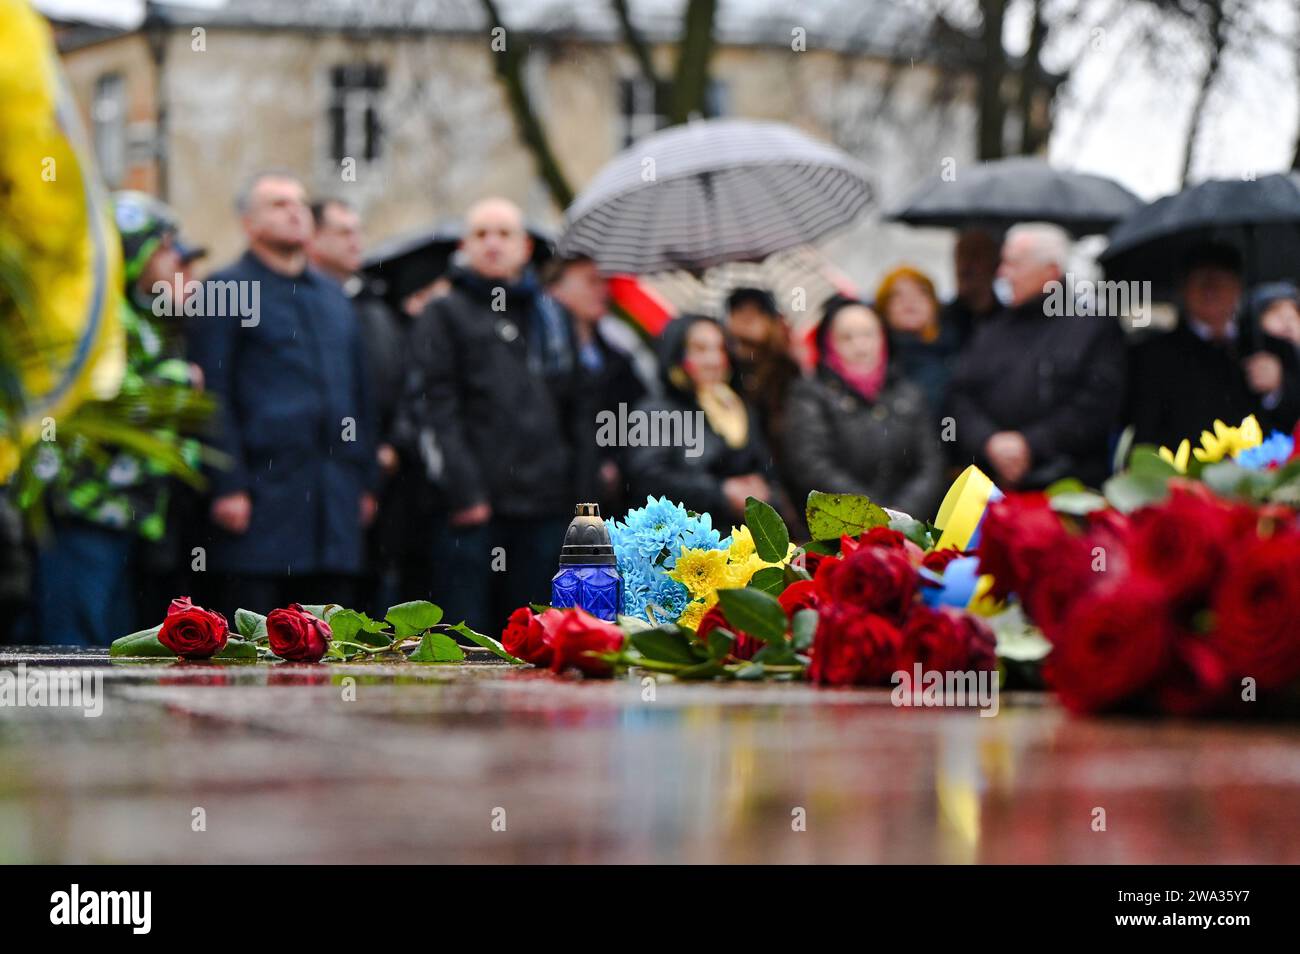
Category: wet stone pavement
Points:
column 484, row 763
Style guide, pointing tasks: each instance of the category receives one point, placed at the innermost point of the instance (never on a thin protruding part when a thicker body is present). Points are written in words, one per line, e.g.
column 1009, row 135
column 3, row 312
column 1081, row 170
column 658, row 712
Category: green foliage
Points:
column 771, row 538
column 770, row 579
column 413, row 618
column 831, row 516
column 754, row 612
column 437, row 648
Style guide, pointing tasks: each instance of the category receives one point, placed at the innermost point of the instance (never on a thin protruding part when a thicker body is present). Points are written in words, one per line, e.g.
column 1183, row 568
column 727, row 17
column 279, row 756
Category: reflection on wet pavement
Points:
column 482, row 763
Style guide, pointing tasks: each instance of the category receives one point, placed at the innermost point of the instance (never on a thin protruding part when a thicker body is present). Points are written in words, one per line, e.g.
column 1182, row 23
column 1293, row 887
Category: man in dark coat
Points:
column 1214, row 364
column 1036, row 396
column 493, row 384
column 283, row 356
column 336, row 250
column 606, row 377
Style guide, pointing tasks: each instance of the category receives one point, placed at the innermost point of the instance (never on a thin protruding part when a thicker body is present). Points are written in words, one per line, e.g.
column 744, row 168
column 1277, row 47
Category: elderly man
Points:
column 494, row 394
column 1214, row 364
column 1036, row 398
column 295, row 421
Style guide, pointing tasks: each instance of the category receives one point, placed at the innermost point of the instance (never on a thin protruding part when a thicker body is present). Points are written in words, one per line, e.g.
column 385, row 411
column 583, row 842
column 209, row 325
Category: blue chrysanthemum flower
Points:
column 1275, row 450
column 646, row 545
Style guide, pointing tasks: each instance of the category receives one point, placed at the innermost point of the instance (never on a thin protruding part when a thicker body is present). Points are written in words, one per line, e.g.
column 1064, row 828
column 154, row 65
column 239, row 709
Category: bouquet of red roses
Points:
column 1186, row 605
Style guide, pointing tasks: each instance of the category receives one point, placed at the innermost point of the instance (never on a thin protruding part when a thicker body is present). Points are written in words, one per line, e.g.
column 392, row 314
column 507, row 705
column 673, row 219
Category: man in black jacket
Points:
column 1035, row 397
column 1214, row 364
column 493, row 387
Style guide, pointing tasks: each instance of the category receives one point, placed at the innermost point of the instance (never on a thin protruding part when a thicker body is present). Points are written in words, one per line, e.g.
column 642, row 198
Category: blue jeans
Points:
column 468, row 582
column 84, row 586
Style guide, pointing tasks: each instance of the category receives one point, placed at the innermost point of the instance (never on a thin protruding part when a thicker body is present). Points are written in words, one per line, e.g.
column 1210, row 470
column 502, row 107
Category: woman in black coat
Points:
column 857, row 426
column 716, row 456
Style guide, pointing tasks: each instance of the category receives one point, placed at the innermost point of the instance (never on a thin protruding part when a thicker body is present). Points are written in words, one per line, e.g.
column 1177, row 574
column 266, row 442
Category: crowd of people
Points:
column 368, row 452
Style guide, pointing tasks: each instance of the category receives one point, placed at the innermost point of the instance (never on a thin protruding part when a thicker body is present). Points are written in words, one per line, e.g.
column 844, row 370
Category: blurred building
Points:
column 394, row 104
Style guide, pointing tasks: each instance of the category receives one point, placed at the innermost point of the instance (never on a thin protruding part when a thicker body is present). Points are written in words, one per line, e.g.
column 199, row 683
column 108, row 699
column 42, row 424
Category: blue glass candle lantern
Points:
column 588, row 578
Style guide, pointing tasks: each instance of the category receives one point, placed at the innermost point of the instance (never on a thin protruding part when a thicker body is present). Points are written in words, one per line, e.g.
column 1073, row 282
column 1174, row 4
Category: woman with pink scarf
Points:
column 855, row 425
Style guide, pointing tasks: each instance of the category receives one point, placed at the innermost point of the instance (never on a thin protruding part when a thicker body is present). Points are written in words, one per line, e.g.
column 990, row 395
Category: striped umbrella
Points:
column 713, row 191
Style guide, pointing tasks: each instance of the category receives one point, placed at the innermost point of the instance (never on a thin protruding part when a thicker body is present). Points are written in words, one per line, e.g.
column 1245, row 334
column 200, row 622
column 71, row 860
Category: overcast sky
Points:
column 1134, row 134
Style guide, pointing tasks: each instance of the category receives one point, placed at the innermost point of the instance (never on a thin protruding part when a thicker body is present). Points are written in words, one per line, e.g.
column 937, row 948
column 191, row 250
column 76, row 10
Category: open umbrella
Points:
column 1260, row 217
column 998, row 194
column 713, row 191
column 405, row 264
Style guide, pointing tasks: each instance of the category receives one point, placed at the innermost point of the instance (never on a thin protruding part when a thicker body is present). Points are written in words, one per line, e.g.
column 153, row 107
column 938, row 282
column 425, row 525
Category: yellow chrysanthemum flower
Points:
column 1228, row 441
column 742, row 544
column 1180, row 458
column 692, row 615
column 701, row 571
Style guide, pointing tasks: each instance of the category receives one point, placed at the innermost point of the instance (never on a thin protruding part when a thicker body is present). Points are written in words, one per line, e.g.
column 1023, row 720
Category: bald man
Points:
column 493, row 405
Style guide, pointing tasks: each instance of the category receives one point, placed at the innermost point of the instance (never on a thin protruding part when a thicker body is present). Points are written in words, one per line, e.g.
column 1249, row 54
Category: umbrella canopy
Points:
column 713, row 191
column 1260, row 217
column 405, row 264
column 998, row 194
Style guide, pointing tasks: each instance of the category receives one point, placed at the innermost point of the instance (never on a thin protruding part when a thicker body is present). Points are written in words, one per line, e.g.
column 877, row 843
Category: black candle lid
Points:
column 587, row 541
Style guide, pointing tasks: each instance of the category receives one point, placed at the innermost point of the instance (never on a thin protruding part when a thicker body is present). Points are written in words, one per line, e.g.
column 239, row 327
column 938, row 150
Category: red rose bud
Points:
column 525, row 637
column 572, row 633
column 193, row 632
column 745, row 645
column 872, row 578
column 799, row 595
column 1257, row 611
column 854, row 648
column 296, row 635
column 1017, row 530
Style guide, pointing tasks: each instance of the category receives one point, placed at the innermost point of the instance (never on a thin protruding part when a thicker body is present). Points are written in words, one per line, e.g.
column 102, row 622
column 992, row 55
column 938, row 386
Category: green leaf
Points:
column 777, row 654
column 770, row 579
column 250, row 625
column 1145, row 461
column 142, row 643
column 831, row 516
column 711, row 669
column 668, row 643
column 632, row 624
column 1128, row 492
column 915, row 530
column 351, row 625
column 413, row 618
column 751, row 670
column 1066, row 485
column 437, row 648
column 237, row 649
column 1229, row 479
column 720, row 643
column 793, row 574
column 804, row 628
column 771, row 538
column 487, row 642
column 754, row 612
column 322, row 611
column 1078, row 503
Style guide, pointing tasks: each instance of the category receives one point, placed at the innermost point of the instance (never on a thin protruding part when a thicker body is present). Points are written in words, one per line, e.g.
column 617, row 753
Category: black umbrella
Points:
column 403, row 265
column 1260, row 217
column 996, row 195
column 714, row 191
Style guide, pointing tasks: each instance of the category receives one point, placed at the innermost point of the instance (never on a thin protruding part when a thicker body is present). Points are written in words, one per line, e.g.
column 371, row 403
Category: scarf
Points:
column 726, row 413
column 867, row 384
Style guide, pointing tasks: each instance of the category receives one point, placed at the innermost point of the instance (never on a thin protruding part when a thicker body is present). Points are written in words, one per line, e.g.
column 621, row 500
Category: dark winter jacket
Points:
column 495, row 391
column 839, row 442
column 1180, row 383
column 296, row 421
column 1059, row 381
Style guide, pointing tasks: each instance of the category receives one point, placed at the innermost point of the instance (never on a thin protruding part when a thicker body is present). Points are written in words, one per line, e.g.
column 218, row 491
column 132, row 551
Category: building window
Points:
column 108, row 125
column 354, row 111
column 644, row 106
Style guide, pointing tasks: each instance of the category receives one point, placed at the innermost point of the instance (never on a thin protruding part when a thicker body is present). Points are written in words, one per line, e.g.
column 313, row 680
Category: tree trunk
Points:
column 1216, row 31
column 691, row 79
column 992, row 74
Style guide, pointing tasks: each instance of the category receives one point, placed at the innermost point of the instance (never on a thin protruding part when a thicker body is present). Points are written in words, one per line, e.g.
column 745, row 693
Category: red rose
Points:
column 525, row 637
column 1257, row 611
column 981, row 644
column 1064, row 575
column 296, row 635
column 193, row 632
column 1112, row 646
column 937, row 561
column 572, row 633
column 1184, row 541
column 872, row 578
column 799, row 595
column 811, row 561
column 1017, row 530
column 745, row 645
column 932, row 638
column 1197, row 682
column 853, row 648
